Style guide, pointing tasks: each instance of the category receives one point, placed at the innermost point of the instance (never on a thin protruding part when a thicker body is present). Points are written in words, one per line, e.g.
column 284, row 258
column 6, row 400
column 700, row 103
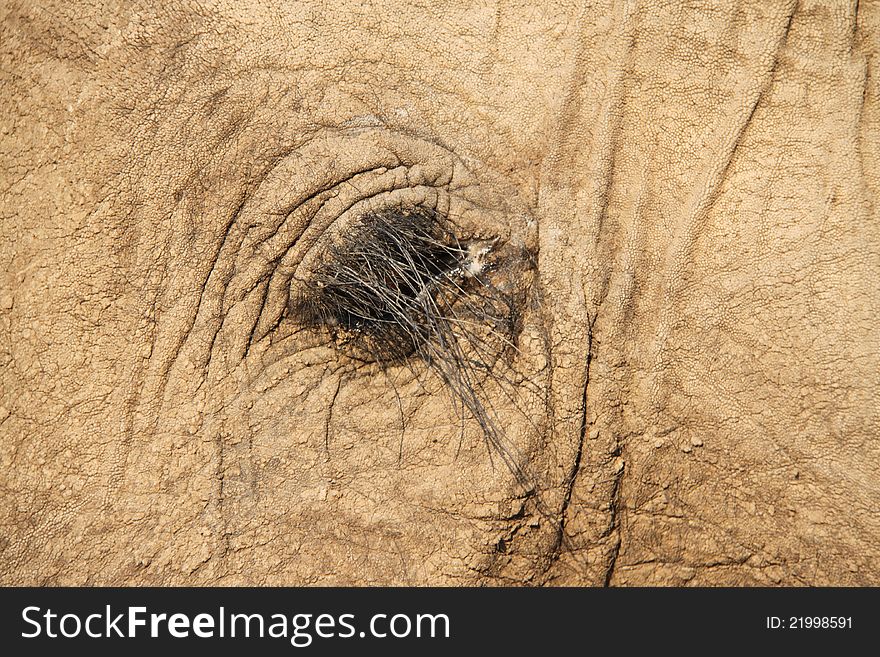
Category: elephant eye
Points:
column 401, row 284
column 400, row 287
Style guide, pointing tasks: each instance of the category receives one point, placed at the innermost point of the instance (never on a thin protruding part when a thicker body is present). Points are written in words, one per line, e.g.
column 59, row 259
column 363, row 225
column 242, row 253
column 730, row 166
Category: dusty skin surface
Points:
column 694, row 392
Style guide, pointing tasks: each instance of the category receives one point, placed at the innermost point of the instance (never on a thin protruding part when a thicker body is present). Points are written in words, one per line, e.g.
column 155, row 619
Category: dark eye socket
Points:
column 400, row 283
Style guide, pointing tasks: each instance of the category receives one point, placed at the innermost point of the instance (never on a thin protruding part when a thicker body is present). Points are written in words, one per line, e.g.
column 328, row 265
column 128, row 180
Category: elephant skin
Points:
column 685, row 199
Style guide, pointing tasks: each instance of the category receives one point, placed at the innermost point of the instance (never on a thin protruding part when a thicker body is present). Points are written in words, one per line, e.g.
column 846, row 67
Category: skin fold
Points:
column 682, row 199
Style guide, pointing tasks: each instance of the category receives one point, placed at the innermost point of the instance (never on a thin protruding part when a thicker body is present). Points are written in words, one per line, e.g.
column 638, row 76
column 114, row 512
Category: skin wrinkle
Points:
column 705, row 191
column 674, row 182
column 585, row 296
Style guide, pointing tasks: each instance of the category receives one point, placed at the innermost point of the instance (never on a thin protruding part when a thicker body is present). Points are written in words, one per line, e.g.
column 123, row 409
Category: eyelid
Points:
column 310, row 194
column 297, row 201
column 307, row 190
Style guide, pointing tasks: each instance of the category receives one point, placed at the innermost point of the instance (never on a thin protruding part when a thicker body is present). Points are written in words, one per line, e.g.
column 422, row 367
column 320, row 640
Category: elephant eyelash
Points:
column 400, row 288
column 390, row 288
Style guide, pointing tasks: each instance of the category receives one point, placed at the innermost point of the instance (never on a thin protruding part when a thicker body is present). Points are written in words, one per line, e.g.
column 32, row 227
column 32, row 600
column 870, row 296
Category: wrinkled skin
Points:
column 699, row 349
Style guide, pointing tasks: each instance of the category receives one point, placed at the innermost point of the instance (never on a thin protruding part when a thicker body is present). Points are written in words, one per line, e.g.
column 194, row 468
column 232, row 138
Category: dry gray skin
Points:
column 683, row 206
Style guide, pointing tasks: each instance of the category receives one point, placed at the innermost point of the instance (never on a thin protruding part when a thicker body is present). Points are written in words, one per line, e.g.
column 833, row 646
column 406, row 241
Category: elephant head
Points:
column 298, row 293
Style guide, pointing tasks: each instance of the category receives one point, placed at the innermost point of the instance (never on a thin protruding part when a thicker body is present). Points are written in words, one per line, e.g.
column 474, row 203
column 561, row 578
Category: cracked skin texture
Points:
column 699, row 181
